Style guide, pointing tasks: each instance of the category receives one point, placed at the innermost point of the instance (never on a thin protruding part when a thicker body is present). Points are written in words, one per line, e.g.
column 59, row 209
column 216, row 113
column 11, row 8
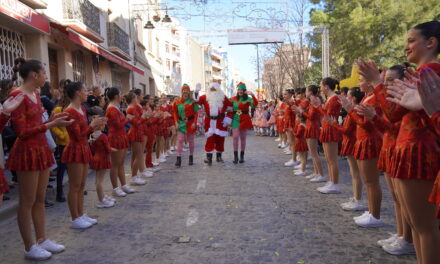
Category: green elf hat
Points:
column 241, row 85
column 185, row 87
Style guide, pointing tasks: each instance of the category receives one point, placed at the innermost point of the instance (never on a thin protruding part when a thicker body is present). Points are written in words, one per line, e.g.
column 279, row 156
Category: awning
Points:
column 25, row 14
column 92, row 46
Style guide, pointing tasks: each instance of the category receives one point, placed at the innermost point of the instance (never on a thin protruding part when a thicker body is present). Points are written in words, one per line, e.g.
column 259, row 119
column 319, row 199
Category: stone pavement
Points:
column 256, row 212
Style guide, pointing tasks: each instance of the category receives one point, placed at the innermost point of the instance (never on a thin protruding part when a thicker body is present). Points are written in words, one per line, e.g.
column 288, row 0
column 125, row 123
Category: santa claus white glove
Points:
column 198, row 88
column 227, row 121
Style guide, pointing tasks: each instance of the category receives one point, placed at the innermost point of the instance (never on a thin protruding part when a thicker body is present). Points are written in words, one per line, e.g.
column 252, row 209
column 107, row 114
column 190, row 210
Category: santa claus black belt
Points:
column 186, row 119
column 239, row 112
column 217, row 117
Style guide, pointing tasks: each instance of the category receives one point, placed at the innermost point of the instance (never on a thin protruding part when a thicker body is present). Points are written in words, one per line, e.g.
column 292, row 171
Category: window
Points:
column 116, row 79
column 79, row 69
column 143, row 88
column 168, row 64
column 11, row 46
column 167, row 47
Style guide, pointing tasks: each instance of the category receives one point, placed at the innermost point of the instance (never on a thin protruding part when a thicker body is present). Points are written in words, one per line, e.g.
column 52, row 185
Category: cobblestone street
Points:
column 256, row 212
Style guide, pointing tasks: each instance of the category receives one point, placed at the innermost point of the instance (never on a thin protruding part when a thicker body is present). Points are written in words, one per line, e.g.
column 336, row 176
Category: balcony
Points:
column 216, row 55
column 217, row 65
column 217, row 76
column 83, row 17
column 118, row 41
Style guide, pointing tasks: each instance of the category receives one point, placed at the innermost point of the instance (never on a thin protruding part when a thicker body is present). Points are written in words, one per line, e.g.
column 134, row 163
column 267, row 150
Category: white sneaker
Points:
column 118, row 192
column 298, row 166
column 289, row 152
column 184, row 149
column 162, row 159
column 279, row 145
column 51, row 246
column 277, row 139
column 369, row 221
column 365, row 214
column 400, row 247
column 37, row 253
column 136, row 180
column 153, row 169
column 353, row 205
column 108, row 198
column 86, row 218
column 300, row 173
column 311, row 176
column 105, row 204
column 147, row 173
column 155, row 163
column 387, row 241
column 318, row 178
column 290, row 163
column 80, row 223
column 329, row 189
column 126, row 188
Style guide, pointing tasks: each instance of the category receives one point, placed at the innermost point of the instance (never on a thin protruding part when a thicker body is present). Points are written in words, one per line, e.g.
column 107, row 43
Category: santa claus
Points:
column 216, row 105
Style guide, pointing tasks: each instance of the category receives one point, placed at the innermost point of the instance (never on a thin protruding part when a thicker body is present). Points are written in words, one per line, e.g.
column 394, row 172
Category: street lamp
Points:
column 149, row 25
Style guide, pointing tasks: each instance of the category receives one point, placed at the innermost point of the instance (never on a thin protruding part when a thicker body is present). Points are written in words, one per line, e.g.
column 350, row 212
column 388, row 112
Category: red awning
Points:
column 25, row 14
column 90, row 45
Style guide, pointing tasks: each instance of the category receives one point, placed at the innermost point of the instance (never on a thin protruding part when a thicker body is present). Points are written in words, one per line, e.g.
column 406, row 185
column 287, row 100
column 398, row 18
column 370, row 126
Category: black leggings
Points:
column 61, row 168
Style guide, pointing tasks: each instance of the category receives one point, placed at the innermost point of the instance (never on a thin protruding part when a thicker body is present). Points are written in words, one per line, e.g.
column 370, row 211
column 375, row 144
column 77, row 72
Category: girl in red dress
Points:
column 77, row 153
column 303, row 103
column 281, row 128
column 366, row 152
column 348, row 131
column 150, row 132
column 313, row 124
column 118, row 139
column 390, row 132
column 8, row 106
column 31, row 158
column 300, row 146
column 330, row 136
column 136, row 137
column 100, row 162
column 139, row 108
column 416, row 159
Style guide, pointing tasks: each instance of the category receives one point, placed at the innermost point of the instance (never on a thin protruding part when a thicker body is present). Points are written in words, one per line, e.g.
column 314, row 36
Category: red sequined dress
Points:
column 78, row 149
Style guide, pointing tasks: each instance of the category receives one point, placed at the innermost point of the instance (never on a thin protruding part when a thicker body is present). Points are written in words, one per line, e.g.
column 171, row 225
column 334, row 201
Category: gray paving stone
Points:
column 250, row 213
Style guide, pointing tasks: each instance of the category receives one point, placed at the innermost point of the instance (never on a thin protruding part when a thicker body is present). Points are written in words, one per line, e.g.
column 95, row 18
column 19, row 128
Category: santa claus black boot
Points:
column 235, row 157
column 208, row 159
column 241, row 156
column 191, row 160
column 219, row 157
column 178, row 162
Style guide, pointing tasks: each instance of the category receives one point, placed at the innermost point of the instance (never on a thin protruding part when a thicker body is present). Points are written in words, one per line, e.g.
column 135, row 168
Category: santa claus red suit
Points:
column 216, row 105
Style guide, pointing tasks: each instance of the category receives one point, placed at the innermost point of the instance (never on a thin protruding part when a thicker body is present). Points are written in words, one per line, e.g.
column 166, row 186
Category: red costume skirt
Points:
column 4, row 187
column 329, row 134
column 118, row 141
column 300, row 145
column 347, row 148
column 280, row 125
column 385, row 158
column 136, row 135
column 312, row 132
column 100, row 162
column 75, row 152
column 367, row 148
column 27, row 157
column 415, row 160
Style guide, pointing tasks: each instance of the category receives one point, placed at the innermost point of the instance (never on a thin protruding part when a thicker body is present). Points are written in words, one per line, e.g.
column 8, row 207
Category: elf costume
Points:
column 241, row 119
column 185, row 115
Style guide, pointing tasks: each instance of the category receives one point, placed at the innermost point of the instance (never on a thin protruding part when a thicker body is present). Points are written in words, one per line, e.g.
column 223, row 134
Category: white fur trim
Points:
column 229, row 109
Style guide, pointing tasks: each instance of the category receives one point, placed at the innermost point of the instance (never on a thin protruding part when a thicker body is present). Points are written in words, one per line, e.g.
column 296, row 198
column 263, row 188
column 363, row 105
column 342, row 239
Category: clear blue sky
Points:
column 221, row 15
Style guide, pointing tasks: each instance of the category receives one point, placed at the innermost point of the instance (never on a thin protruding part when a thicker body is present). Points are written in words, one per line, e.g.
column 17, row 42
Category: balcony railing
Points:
column 217, row 65
column 118, row 41
column 83, row 17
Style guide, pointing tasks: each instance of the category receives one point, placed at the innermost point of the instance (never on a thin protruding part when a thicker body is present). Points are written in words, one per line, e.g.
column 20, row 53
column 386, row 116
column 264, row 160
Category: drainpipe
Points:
column 132, row 43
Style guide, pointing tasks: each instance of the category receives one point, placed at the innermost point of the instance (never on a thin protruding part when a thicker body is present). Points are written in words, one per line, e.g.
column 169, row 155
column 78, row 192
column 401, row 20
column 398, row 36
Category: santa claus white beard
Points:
column 215, row 99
